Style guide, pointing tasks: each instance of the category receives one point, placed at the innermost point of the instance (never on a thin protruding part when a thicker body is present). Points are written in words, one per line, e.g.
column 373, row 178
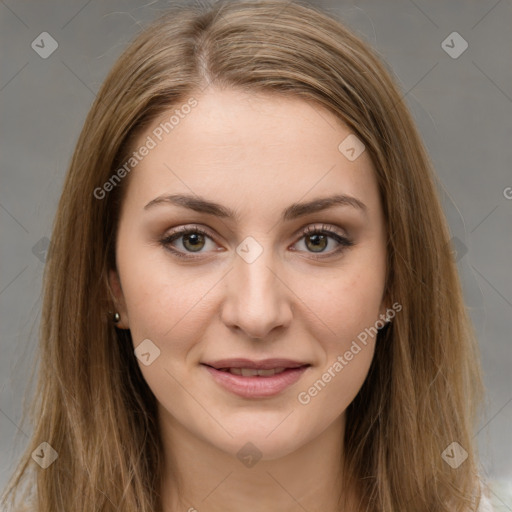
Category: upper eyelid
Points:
column 302, row 232
column 182, row 230
column 323, row 227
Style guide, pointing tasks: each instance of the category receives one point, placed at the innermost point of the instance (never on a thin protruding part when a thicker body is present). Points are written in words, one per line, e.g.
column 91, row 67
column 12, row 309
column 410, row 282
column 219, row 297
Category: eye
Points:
column 317, row 240
column 193, row 240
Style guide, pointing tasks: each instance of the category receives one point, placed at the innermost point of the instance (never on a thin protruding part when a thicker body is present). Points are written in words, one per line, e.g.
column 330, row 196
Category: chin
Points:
column 270, row 437
column 251, row 447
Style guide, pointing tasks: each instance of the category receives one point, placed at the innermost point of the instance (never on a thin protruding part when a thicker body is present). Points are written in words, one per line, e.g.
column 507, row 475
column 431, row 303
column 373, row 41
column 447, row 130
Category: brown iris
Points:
column 318, row 241
column 196, row 239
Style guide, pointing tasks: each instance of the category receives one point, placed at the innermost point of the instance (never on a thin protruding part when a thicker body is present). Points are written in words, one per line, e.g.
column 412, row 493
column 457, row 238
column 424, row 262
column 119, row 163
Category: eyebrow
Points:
column 295, row 210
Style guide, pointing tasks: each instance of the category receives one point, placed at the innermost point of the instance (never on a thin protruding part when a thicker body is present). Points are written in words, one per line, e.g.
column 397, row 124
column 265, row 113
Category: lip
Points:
column 256, row 386
column 264, row 364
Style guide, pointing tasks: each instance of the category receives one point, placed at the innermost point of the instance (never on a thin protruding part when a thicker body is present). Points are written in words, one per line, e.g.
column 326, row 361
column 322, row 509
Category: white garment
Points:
column 485, row 504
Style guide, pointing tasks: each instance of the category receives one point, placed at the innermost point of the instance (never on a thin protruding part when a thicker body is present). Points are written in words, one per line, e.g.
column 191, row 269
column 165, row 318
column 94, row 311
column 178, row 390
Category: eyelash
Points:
column 309, row 231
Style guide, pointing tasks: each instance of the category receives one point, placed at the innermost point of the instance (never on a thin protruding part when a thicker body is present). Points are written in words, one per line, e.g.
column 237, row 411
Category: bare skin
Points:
column 256, row 155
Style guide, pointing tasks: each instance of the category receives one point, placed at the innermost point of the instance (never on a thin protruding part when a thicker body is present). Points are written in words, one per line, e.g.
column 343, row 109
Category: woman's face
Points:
column 277, row 270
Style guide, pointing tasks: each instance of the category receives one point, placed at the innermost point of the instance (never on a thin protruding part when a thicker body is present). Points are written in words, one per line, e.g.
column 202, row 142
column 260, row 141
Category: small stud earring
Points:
column 117, row 317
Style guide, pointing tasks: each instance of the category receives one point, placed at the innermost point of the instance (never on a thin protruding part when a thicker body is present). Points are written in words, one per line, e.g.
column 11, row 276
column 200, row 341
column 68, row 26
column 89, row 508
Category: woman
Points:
column 250, row 300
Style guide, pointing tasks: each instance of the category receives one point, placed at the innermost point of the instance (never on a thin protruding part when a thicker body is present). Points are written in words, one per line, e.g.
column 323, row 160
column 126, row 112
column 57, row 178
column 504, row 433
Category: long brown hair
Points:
column 424, row 386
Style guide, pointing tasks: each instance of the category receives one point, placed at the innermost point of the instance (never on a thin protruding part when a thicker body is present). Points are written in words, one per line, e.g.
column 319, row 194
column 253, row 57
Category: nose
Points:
column 257, row 300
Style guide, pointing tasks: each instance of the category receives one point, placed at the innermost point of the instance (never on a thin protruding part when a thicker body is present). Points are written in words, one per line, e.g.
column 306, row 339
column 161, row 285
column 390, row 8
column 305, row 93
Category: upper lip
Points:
column 264, row 364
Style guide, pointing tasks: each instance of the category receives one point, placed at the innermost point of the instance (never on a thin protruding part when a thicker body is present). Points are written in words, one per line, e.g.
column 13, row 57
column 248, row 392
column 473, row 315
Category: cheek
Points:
column 160, row 296
column 346, row 309
column 344, row 304
column 172, row 307
column 334, row 387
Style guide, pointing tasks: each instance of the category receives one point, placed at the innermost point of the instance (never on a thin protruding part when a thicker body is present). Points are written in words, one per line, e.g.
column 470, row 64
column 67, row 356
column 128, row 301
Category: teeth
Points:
column 252, row 372
column 271, row 371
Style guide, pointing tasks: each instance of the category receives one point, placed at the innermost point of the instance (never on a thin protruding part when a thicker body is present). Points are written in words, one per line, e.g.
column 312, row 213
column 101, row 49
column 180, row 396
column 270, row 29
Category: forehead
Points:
column 249, row 149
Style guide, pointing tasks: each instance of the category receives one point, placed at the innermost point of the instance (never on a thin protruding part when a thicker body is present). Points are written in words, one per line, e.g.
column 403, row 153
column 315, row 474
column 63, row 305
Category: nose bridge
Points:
column 257, row 301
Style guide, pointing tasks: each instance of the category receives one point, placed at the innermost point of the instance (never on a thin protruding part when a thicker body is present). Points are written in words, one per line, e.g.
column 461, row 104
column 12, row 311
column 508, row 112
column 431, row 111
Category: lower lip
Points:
column 256, row 387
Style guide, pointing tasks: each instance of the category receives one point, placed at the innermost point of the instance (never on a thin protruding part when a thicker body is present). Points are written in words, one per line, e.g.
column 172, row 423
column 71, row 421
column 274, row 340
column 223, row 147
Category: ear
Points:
column 118, row 298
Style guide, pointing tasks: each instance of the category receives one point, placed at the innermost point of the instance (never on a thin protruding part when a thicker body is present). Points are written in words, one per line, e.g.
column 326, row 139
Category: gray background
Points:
column 463, row 107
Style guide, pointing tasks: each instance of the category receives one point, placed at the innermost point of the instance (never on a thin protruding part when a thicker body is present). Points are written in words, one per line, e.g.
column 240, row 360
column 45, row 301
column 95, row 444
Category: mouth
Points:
column 251, row 372
column 256, row 379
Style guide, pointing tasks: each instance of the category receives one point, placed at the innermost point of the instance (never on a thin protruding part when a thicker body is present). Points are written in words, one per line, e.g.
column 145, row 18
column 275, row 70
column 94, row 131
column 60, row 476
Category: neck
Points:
column 199, row 477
